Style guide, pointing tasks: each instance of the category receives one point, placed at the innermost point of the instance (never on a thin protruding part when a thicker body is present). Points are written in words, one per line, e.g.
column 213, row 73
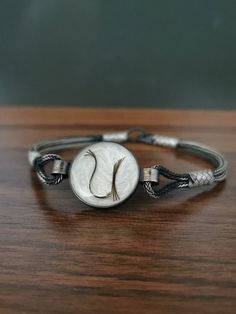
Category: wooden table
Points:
column 173, row 255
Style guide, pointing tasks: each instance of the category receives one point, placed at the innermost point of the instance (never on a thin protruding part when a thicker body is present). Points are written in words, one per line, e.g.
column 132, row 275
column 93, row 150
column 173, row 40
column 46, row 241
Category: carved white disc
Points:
column 104, row 174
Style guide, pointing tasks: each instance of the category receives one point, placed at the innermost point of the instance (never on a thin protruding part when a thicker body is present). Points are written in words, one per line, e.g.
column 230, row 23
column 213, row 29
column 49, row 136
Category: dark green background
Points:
column 118, row 53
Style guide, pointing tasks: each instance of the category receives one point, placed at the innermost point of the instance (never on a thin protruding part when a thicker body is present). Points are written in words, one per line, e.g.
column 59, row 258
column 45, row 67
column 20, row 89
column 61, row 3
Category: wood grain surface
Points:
column 173, row 255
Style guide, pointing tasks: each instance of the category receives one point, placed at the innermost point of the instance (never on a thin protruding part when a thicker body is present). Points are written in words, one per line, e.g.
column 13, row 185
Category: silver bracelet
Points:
column 105, row 173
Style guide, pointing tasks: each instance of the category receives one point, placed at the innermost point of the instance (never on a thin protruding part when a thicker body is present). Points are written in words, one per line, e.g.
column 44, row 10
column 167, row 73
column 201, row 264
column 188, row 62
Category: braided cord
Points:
column 39, row 165
column 185, row 180
column 179, row 181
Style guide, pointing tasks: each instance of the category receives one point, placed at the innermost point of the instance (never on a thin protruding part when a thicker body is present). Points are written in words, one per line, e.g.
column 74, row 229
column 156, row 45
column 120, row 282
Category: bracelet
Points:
column 105, row 173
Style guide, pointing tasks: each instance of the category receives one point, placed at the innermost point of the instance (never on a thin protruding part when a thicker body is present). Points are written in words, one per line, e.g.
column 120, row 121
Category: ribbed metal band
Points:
column 200, row 178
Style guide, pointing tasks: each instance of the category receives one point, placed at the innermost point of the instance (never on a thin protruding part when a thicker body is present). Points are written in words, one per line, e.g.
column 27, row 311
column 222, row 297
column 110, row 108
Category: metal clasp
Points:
column 136, row 135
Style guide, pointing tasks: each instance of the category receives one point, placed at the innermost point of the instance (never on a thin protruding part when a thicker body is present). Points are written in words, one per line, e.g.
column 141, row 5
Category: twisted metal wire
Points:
column 179, row 181
column 39, row 167
column 217, row 159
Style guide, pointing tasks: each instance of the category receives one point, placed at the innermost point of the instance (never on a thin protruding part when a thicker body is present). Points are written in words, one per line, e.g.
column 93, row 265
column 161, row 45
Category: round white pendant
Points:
column 104, row 174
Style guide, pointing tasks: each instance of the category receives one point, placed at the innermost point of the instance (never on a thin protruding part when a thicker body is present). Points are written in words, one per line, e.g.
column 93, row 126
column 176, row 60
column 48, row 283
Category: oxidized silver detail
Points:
column 149, row 174
column 200, row 178
column 149, row 189
column 165, row 141
column 59, row 166
column 118, row 137
column 45, row 178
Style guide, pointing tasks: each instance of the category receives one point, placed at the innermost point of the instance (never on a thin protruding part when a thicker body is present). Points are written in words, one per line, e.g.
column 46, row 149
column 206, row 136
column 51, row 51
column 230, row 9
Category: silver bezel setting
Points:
column 107, row 153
